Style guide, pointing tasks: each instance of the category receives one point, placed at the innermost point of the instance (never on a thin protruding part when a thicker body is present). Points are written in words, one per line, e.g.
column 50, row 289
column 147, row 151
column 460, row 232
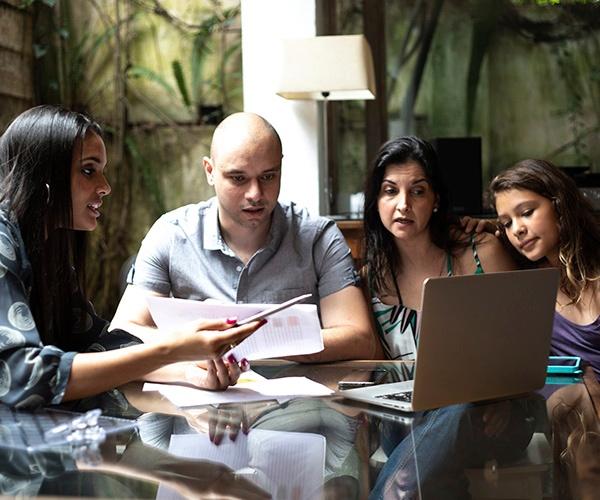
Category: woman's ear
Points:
column 436, row 205
column 557, row 207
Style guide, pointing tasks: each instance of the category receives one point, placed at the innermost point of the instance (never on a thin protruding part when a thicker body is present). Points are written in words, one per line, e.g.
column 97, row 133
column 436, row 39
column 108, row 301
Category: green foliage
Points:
column 76, row 65
column 149, row 174
column 135, row 71
column 28, row 3
column 181, row 85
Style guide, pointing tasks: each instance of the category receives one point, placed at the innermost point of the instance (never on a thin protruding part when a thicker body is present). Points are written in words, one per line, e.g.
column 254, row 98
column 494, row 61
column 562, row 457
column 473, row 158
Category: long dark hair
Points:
column 36, row 153
column 381, row 255
column 579, row 231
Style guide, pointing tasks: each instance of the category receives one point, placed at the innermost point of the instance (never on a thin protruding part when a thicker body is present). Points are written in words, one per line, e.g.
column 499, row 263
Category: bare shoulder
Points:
column 492, row 254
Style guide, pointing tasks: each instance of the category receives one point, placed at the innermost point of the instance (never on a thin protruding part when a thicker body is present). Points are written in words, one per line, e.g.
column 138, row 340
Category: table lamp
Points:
column 326, row 68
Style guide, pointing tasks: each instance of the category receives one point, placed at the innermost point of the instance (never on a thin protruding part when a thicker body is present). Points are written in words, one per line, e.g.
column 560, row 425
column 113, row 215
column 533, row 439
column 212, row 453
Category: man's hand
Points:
column 231, row 418
column 218, row 374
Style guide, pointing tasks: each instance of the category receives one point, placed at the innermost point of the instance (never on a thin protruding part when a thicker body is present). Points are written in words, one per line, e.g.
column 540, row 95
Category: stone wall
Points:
column 16, row 61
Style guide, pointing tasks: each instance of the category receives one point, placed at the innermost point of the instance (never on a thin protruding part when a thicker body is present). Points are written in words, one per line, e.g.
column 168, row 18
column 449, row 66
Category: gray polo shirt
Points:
column 184, row 255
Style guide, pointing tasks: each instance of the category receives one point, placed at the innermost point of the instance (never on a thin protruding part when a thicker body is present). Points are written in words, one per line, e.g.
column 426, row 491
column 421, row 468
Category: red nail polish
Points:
column 231, row 321
column 231, row 359
column 245, row 365
column 262, row 322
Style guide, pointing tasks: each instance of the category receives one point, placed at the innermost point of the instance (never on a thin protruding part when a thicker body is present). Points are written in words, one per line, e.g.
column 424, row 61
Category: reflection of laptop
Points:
column 480, row 337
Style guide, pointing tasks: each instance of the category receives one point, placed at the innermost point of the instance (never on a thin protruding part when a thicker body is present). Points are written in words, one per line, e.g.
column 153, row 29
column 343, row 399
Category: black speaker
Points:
column 460, row 162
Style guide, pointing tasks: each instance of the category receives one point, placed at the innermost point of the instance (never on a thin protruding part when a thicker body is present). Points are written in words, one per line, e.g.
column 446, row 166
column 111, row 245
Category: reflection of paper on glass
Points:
column 276, row 388
column 285, row 464
column 295, row 330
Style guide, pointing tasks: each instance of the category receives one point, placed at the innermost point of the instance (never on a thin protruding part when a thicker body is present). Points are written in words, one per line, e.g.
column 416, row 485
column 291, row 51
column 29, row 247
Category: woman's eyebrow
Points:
column 417, row 181
column 93, row 158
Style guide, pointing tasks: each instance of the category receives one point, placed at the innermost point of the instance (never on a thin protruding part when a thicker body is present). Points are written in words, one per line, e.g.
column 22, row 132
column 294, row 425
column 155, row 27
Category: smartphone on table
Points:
column 362, row 377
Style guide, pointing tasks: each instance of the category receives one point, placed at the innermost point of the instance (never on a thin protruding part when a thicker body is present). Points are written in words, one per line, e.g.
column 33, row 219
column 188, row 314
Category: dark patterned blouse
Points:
column 33, row 374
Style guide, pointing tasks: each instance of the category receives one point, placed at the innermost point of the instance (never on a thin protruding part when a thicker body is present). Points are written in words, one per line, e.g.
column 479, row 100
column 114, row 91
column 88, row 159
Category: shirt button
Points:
column 239, row 268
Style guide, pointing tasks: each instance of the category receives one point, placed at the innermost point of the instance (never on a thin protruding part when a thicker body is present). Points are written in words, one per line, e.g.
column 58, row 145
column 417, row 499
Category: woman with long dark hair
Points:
column 52, row 166
column 410, row 236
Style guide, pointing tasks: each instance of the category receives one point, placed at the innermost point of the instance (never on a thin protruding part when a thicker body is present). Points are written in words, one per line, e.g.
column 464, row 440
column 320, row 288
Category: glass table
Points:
column 327, row 447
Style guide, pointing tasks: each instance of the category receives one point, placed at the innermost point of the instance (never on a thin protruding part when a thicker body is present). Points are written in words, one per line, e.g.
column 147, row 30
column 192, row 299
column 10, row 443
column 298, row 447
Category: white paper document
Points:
column 287, row 465
column 290, row 332
column 263, row 390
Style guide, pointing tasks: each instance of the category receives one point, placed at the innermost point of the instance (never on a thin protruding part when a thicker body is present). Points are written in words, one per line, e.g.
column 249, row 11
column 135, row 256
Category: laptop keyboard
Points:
column 405, row 397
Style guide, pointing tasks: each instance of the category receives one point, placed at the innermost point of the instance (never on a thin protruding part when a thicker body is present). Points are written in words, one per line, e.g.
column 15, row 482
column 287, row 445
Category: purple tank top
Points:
column 570, row 339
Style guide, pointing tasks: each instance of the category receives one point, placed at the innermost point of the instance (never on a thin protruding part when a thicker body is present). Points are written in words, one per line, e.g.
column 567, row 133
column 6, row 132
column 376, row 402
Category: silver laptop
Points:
column 480, row 337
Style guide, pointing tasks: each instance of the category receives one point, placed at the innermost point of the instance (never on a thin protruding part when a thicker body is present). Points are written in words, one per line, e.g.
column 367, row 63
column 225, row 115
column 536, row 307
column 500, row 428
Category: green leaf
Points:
column 181, row 85
column 148, row 74
column 39, row 50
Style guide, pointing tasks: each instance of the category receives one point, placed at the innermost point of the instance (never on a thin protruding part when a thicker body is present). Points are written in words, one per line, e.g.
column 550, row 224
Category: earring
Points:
column 435, row 209
column 47, row 194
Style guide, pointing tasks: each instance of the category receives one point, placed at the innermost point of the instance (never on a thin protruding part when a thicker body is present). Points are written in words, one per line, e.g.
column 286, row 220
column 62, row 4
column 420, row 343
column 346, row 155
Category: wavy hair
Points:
column 380, row 253
column 36, row 153
column 579, row 232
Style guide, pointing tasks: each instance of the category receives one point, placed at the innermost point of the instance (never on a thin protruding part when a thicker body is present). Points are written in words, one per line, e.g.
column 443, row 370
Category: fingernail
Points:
column 262, row 322
column 231, row 359
column 231, row 321
column 244, row 365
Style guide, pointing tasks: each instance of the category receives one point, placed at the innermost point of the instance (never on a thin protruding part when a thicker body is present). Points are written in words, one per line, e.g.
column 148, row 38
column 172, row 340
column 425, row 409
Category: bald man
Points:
column 244, row 246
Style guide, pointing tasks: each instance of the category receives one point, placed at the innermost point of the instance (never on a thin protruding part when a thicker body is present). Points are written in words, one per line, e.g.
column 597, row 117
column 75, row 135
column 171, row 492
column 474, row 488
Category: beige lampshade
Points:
column 340, row 65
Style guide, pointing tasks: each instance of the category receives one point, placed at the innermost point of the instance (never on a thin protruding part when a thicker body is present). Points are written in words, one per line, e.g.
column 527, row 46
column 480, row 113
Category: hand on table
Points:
column 229, row 419
column 218, row 374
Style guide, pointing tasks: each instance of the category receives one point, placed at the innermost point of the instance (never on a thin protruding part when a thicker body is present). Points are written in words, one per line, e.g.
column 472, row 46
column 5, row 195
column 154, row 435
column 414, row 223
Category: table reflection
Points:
column 325, row 447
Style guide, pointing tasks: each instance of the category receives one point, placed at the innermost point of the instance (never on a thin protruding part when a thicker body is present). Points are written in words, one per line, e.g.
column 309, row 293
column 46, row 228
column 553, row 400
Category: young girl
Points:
column 52, row 166
column 547, row 220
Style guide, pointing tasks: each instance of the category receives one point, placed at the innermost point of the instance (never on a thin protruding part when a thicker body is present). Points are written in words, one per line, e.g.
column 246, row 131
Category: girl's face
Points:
column 88, row 184
column 406, row 201
column 530, row 222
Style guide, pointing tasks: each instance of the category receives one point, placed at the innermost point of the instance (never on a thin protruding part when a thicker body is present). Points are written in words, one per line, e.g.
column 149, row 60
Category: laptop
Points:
column 480, row 337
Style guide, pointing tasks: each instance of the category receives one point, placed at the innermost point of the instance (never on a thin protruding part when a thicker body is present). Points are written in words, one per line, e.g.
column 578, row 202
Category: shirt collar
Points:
column 213, row 240
column 212, row 232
